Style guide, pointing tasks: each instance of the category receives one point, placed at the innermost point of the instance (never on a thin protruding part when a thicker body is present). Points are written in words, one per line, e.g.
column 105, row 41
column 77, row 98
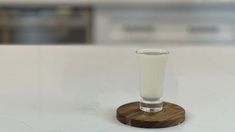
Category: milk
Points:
column 152, row 70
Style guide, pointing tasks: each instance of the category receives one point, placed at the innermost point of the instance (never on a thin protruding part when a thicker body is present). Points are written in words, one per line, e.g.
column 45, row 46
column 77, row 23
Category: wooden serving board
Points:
column 171, row 115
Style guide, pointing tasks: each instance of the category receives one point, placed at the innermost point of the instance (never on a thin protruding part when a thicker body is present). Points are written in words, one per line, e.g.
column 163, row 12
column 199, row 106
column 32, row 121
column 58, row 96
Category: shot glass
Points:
column 152, row 64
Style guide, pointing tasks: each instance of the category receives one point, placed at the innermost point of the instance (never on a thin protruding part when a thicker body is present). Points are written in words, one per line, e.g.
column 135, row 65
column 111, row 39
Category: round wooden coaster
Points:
column 171, row 115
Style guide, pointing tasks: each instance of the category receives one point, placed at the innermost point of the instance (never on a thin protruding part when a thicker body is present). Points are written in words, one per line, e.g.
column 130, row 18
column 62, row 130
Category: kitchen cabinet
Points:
column 164, row 23
column 45, row 24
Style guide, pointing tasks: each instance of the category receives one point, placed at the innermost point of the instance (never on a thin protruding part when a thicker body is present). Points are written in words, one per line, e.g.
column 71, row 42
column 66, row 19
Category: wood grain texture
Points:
column 171, row 115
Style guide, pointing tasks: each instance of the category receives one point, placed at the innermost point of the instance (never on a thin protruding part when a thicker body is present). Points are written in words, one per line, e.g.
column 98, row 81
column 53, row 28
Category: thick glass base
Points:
column 147, row 105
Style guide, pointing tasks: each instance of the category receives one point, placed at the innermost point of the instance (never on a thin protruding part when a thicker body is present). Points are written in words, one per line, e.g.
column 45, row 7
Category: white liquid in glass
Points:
column 152, row 69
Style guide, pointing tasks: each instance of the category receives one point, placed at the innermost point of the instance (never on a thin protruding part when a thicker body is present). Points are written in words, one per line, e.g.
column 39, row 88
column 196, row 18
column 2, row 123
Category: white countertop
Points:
column 78, row 88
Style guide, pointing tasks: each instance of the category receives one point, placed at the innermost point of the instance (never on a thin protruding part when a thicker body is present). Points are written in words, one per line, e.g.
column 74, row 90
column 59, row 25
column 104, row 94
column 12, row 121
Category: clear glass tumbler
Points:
column 152, row 64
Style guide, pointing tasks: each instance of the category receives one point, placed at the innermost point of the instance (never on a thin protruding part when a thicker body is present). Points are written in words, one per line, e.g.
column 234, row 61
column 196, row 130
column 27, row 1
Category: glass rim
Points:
column 152, row 52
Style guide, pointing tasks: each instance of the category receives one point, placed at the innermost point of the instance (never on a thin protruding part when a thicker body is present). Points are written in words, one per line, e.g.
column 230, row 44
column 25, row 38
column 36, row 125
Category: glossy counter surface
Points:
column 78, row 88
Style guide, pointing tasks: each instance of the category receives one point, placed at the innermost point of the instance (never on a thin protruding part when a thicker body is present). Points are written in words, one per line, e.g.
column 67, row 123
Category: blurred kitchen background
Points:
column 116, row 22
